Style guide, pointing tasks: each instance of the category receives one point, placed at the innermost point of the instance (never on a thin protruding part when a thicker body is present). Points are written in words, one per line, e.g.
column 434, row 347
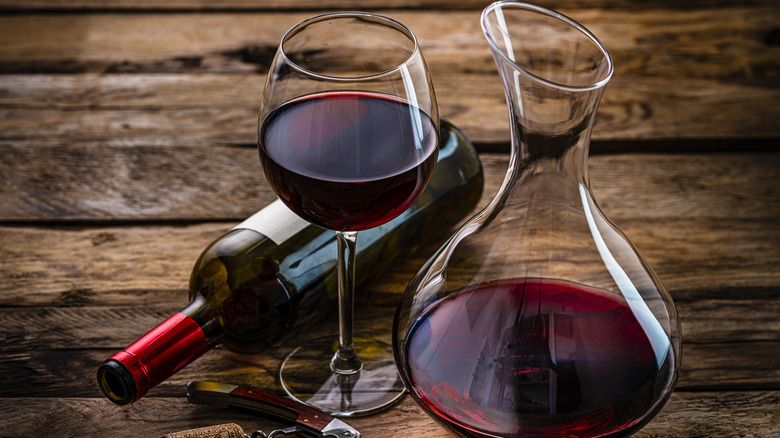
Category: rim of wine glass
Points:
column 344, row 14
column 551, row 13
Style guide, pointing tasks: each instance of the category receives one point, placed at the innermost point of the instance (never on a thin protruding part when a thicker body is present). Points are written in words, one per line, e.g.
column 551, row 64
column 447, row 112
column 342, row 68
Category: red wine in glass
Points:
column 348, row 161
column 536, row 358
column 348, row 139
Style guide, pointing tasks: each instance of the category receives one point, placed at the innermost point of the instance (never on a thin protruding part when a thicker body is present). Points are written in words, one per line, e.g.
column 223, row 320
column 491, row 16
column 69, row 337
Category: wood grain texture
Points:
column 678, row 75
column 705, row 322
column 84, row 183
column 686, row 415
column 151, row 265
column 704, row 222
column 44, row 372
column 52, row 373
column 270, row 5
column 127, row 133
column 214, row 109
column 688, row 44
column 54, row 351
column 64, row 288
column 79, row 183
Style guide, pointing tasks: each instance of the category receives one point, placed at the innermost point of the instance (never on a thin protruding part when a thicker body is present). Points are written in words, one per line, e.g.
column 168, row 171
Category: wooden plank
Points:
column 55, row 350
column 719, row 328
column 717, row 414
column 145, row 137
column 254, row 5
column 678, row 74
column 51, row 372
column 728, row 414
column 116, row 266
column 656, row 42
column 130, row 90
column 704, row 222
column 111, row 285
column 704, row 322
column 151, row 265
column 82, row 183
column 208, row 109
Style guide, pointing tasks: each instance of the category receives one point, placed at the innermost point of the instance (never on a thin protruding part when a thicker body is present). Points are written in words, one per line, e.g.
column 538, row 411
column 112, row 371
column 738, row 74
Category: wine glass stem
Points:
column 346, row 361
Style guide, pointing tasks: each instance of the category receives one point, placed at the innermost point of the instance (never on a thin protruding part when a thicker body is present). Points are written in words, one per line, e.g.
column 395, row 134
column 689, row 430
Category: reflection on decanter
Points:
column 554, row 356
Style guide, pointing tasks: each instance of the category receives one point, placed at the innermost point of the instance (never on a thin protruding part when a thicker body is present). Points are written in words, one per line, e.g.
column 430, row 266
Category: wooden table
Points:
column 127, row 133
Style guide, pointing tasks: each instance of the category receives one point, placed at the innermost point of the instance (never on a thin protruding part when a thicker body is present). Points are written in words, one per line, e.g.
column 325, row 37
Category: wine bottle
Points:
column 274, row 274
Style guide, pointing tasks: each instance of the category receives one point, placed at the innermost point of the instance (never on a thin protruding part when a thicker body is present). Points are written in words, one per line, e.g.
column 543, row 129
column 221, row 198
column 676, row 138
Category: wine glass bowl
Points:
column 348, row 140
column 362, row 161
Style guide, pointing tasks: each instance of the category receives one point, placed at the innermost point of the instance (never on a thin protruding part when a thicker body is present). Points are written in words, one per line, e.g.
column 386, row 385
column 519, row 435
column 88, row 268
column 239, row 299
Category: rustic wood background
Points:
column 127, row 133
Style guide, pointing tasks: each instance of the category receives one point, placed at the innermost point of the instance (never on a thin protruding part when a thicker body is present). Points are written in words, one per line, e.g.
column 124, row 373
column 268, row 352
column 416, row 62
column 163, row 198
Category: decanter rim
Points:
column 551, row 13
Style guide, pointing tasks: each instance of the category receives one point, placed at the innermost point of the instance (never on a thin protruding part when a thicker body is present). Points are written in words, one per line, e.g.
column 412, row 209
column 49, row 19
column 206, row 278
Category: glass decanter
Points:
column 538, row 318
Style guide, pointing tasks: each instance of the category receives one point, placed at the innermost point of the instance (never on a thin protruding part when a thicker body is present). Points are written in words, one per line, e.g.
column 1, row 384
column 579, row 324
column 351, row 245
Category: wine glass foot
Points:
column 307, row 377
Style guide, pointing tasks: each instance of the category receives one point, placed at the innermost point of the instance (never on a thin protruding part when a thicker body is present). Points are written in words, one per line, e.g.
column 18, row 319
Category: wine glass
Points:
column 348, row 139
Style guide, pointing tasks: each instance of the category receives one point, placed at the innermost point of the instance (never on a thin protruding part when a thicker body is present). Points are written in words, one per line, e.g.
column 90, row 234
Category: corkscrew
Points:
column 309, row 422
column 228, row 430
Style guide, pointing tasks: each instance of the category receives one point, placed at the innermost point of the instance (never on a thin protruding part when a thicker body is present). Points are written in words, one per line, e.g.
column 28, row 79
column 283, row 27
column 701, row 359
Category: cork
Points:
column 229, row 430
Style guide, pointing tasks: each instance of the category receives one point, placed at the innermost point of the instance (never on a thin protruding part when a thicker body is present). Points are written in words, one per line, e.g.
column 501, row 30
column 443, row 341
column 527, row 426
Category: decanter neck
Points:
column 552, row 151
column 550, row 126
column 554, row 73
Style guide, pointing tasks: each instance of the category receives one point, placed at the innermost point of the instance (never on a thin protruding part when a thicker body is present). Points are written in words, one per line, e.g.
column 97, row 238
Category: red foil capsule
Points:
column 127, row 375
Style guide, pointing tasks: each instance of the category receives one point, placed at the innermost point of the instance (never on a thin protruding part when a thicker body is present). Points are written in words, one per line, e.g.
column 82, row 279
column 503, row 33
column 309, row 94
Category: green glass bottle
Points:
column 274, row 274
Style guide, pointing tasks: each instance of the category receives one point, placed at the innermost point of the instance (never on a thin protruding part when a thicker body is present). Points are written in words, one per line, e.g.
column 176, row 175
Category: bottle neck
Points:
column 207, row 319
column 129, row 374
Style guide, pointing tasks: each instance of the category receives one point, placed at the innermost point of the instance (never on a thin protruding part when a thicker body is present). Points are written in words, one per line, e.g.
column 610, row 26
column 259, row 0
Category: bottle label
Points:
column 275, row 222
